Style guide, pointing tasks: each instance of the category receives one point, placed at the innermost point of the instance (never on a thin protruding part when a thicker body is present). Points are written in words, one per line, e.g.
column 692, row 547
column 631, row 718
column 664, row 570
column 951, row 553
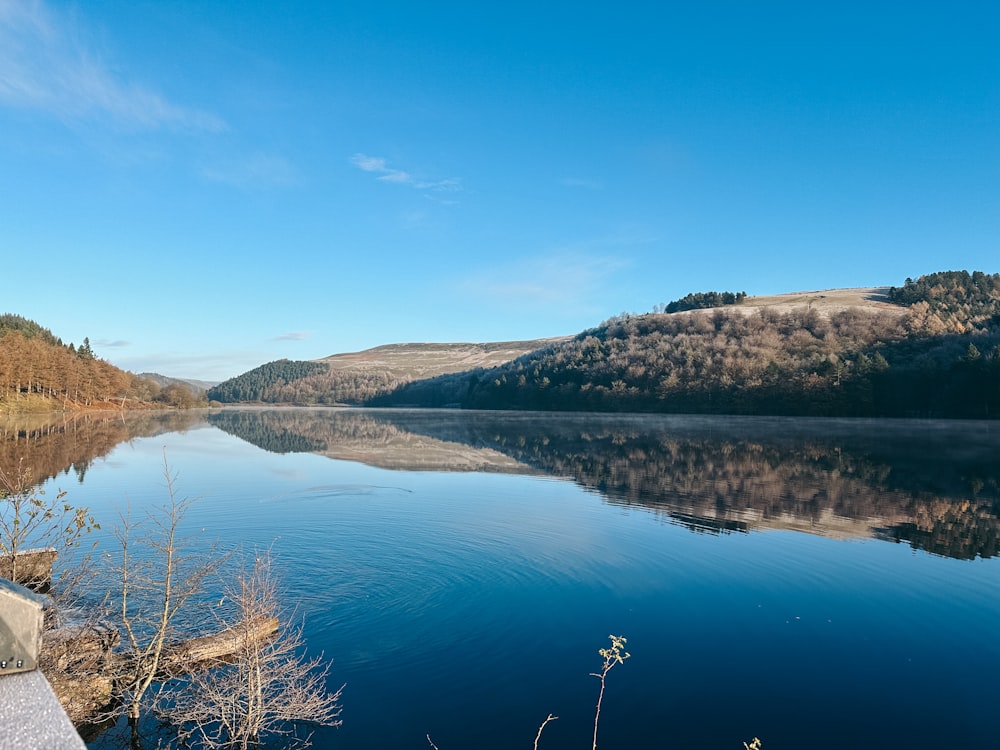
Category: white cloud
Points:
column 572, row 277
column 562, row 279
column 379, row 166
column 48, row 64
column 259, row 171
column 369, row 163
column 109, row 344
column 293, row 336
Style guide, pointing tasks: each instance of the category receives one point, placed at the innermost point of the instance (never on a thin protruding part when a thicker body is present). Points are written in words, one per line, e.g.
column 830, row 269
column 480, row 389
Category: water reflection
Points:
column 934, row 485
column 49, row 445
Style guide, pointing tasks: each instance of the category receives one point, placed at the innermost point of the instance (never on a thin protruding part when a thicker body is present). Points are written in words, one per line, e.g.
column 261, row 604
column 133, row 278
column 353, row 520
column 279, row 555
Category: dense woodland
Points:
column 298, row 382
column 37, row 371
column 265, row 383
column 955, row 301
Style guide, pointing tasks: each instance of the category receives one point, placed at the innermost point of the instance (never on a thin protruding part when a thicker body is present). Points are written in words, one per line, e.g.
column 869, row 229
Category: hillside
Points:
column 930, row 348
column 417, row 361
column 38, row 372
column 356, row 377
column 825, row 302
column 197, row 387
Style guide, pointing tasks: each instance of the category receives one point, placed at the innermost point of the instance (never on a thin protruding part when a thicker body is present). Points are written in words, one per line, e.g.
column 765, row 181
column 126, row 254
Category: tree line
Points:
column 264, row 383
column 703, row 300
column 306, row 383
column 956, row 301
column 35, row 365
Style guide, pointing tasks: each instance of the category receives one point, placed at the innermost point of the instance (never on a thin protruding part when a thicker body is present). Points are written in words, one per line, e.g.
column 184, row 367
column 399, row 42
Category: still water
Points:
column 816, row 583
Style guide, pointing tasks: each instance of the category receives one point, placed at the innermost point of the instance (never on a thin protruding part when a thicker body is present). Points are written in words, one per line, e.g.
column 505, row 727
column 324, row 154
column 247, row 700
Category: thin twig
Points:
column 539, row 735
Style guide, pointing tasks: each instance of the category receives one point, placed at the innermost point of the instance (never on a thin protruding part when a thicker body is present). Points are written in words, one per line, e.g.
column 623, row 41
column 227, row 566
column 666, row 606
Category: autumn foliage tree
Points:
column 36, row 364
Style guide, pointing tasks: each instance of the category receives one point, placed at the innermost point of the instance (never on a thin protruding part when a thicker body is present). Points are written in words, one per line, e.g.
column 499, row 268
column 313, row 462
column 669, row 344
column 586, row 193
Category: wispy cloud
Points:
column 558, row 280
column 293, row 336
column 571, row 277
column 112, row 344
column 380, row 167
column 49, row 64
column 258, row 171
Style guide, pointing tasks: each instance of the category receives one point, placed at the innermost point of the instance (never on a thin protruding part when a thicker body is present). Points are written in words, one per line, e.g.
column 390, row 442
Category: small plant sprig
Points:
column 27, row 516
column 612, row 656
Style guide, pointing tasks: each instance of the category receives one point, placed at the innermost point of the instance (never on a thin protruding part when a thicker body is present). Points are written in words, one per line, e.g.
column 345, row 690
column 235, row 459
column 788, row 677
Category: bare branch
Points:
column 271, row 689
column 538, row 736
column 157, row 577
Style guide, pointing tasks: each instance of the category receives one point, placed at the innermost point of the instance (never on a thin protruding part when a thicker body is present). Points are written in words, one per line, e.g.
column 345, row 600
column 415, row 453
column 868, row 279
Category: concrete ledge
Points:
column 31, row 717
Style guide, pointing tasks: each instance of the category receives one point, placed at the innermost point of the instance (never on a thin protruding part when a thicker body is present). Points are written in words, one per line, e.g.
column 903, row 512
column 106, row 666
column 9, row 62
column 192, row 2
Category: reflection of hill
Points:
column 293, row 434
column 934, row 485
column 357, row 436
column 50, row 444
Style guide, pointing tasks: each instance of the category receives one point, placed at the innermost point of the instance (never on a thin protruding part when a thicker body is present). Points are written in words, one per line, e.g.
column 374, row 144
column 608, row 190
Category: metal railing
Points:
column 31, row 717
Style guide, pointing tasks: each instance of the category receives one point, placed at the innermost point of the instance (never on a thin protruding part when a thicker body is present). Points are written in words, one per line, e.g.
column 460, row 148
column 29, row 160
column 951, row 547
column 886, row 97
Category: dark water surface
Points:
column 819, row 584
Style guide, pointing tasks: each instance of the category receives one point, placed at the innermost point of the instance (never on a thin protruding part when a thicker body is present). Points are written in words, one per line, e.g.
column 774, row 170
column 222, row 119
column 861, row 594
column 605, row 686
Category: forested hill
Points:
column 358, row 377
column 39, row 372
column 930, row 347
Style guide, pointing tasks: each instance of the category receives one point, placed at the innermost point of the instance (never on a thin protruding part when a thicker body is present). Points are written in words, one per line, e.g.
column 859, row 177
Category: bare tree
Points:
column 157, row 576
column 29, row 517
column 270, row 690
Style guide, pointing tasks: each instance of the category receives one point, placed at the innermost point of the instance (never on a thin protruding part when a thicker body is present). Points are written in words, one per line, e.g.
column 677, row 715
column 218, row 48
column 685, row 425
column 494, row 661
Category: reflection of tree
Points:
column 356, row 436
column 933, row 485
column 306, row 430
column 53, row 444
column 959, row 529
column 940, row 492
column 287, row 433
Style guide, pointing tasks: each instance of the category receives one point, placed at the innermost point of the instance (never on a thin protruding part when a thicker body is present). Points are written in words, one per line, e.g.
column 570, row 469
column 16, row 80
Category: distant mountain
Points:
column 197, row 387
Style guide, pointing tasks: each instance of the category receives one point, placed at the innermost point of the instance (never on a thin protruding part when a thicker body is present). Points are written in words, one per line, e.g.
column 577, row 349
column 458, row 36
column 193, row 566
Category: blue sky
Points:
column 200, row 187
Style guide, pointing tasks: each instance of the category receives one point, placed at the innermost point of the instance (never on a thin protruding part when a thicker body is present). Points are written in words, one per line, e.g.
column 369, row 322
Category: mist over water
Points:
column 819, row 584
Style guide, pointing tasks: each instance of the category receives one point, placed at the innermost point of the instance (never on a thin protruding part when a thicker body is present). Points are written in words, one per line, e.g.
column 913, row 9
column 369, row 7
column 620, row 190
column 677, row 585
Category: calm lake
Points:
column 816, row 583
